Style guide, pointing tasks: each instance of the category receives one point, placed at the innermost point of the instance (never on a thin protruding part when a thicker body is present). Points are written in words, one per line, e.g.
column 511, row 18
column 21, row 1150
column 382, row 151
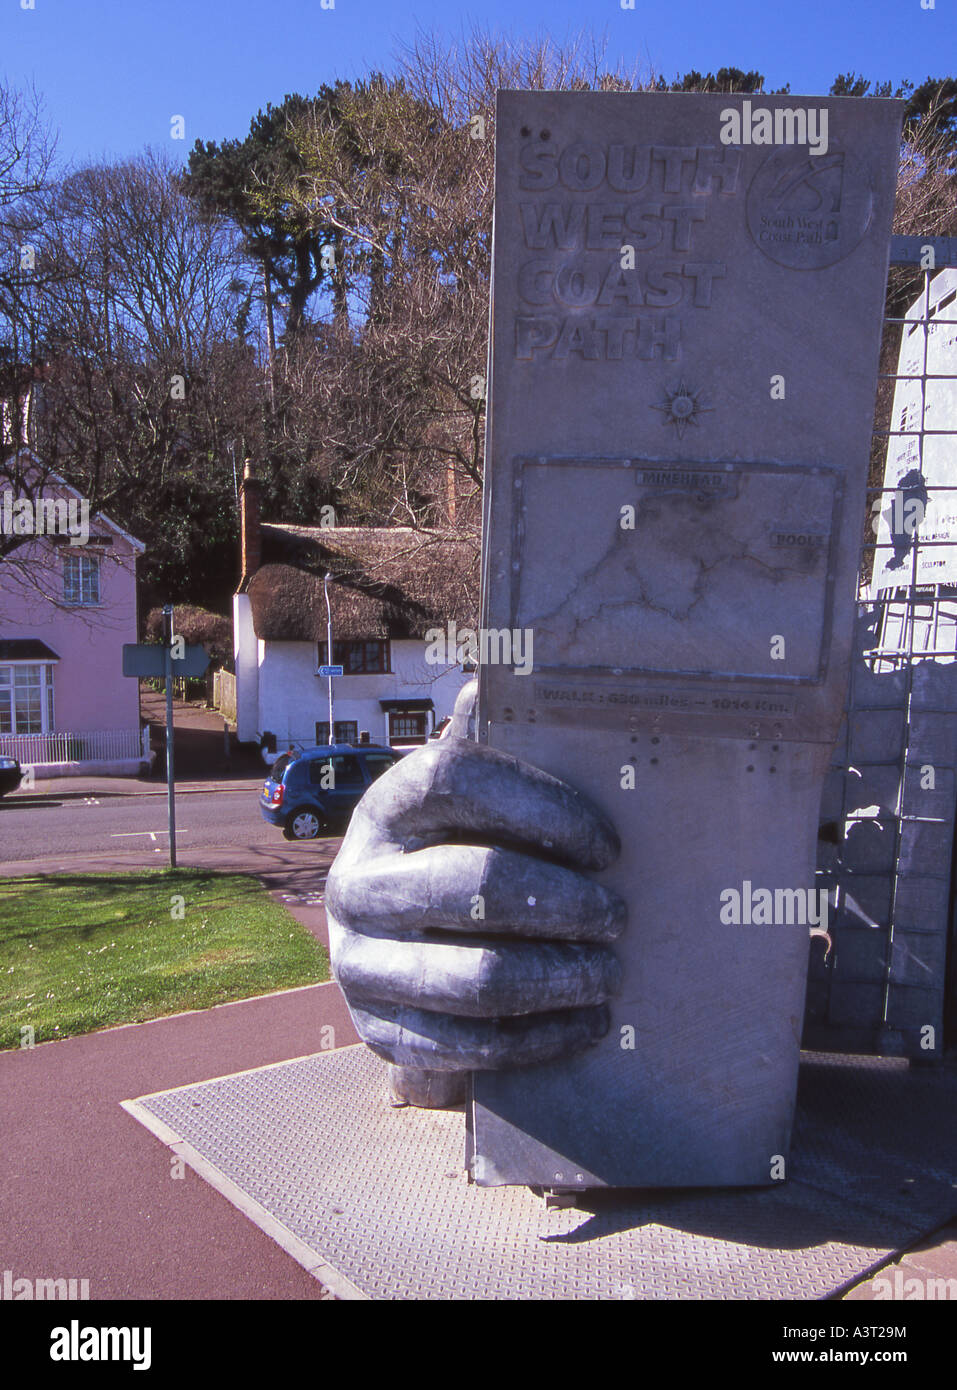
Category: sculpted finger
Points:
column 469, row 888
column 440, row 1042
column 463, row 711
column 486, row 979
column 454, row 786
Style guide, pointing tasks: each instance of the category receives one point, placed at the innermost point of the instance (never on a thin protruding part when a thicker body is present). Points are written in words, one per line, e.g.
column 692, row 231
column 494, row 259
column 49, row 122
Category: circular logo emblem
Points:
column 809, row 211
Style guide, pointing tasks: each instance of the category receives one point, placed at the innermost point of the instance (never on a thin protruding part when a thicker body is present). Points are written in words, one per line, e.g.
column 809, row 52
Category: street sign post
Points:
column 329, row 671
column 170, row 740
column 151, row 659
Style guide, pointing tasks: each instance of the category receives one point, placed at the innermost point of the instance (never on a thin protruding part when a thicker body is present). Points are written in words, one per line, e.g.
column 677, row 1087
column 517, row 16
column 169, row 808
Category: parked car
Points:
column 306, row 793
column 10, row 775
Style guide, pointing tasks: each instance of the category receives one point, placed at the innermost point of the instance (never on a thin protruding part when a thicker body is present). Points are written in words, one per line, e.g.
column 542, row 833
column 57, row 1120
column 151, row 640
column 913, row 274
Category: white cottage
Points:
column 389, row 586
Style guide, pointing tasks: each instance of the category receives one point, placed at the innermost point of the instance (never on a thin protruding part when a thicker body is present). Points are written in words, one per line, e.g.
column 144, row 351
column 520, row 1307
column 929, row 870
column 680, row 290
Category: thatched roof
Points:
column 388, row 582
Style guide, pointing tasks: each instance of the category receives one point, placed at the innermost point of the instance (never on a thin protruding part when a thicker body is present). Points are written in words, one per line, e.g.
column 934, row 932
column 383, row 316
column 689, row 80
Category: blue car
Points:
column 306, row 793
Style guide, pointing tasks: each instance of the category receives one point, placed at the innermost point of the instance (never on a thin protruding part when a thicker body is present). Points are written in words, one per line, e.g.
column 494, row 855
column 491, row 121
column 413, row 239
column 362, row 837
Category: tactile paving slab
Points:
column 374, row 1200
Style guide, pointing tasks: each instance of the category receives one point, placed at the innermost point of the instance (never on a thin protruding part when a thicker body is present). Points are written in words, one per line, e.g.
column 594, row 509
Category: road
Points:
column 77, row 829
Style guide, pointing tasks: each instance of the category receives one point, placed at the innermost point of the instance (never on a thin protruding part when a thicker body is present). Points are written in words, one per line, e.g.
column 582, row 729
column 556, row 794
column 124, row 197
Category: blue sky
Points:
column 113, row 72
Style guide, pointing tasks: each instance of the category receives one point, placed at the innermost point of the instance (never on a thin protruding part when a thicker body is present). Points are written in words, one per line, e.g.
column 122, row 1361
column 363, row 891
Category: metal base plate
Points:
column 375, row 1202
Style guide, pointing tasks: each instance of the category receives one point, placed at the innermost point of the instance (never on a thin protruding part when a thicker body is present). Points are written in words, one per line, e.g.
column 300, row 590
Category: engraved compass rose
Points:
column 682, row 407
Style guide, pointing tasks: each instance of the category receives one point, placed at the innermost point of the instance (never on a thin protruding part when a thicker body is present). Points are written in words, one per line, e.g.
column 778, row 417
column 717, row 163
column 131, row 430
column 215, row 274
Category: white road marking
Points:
column 128, row 834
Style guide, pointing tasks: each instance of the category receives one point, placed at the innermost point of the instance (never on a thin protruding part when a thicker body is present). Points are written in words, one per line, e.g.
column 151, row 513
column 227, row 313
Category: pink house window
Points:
column 26, row 699
column 81, row 579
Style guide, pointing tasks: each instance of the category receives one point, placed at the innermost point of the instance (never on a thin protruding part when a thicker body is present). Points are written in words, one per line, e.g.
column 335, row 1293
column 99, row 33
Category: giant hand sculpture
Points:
column 461, row 934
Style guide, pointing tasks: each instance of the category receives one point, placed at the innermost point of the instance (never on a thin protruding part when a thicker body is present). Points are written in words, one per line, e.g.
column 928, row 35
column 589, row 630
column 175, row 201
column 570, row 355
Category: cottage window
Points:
column 81, row 579
column 407, row 728
column 347, row 731
column 26, row 699
column 357, row 658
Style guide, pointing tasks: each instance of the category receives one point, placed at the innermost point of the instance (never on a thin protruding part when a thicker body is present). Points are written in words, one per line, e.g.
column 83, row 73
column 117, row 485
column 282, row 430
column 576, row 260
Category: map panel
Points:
column 682, row 568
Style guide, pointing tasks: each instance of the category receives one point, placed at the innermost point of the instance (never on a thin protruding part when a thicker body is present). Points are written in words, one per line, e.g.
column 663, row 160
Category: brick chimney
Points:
column 251, row 540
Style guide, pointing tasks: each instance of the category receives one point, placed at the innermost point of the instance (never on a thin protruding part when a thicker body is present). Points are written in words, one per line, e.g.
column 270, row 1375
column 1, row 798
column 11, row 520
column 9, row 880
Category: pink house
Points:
column 67, row 605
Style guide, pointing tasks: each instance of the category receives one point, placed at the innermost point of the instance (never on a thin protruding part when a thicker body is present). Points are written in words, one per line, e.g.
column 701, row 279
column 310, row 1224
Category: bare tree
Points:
column 402, row 170
column 143, row 384
column 26, row 152
column 26, row 145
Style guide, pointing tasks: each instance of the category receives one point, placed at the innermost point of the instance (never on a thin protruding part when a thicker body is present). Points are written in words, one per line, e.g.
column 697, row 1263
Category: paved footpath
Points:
column 87, row 1193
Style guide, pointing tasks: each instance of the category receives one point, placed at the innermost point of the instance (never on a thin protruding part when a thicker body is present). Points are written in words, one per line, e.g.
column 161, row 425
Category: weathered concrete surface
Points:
column 677, row 455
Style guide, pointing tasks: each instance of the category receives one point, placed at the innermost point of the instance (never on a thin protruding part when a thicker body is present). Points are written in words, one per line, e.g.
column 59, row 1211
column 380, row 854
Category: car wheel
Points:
column 304, row 824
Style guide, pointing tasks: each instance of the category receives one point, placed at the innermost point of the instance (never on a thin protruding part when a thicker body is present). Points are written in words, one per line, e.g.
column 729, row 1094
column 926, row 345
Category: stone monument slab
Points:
column 685, row 332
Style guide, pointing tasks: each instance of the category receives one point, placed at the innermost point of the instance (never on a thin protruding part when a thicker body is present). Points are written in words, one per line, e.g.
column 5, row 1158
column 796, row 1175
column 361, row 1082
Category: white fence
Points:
column 102, row 745
column 224, row 694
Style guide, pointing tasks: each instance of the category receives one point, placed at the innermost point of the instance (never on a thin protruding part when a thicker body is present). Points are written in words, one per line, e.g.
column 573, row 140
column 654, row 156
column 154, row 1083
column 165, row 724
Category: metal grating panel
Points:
column 380, row 1194
column 880, row 990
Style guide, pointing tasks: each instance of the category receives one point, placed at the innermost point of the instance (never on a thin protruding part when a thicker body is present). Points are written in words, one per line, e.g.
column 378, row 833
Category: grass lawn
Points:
column 86, row 951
